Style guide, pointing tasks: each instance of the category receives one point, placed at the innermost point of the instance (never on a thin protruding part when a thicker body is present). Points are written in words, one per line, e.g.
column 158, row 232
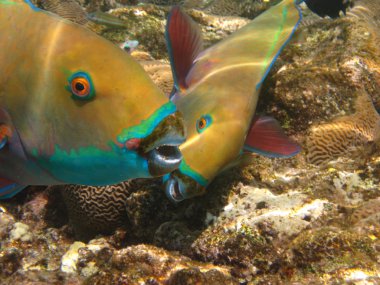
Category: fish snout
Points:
column 174, row 189
column 164, row 159
column 161, row 148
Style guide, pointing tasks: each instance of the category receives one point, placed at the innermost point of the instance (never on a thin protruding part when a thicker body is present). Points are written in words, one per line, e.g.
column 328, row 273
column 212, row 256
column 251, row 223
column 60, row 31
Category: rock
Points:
column 324, row 249
column 70, row 258
column 319, row 74
column 9, row 261
column 161, row 74
column 6, row 222
column 20, row 232
column 245, row 8
column 105, row 5
column 151, row 265
column 272, row 222
column 146, row 24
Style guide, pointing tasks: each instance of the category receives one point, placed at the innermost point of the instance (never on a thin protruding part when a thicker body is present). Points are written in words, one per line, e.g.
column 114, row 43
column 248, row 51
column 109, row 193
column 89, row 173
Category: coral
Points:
column 143, row 263
column 367, row 213
column 96, row 209
column 20, row 232
column 271, row 222
column 70, row 258
column 328, row 249
column 146, row 24
column 245, row 8
column 161, row 74
column 348, row 135
column 316, row 79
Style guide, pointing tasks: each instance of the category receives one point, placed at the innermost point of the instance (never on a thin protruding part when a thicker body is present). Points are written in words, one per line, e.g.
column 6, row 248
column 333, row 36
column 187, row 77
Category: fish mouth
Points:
column 179, row 187
column 164, row 159
column 161, row 147
column 173, row 190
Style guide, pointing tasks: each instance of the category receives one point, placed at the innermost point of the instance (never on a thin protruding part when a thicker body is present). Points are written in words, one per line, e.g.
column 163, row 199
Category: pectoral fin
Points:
column 5, row 134
column 184, row 42
column 8, row 188
column 266, row 137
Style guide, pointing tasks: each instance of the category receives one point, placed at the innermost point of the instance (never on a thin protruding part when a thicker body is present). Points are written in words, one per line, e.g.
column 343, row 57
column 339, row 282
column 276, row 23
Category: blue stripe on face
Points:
column 188, row 171
column 146, row 127
column 93, row 166
column 90, row 165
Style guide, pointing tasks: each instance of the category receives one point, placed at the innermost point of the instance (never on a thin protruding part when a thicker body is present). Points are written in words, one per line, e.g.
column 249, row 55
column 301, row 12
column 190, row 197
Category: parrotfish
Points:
column 75, row 108
column 217, row 91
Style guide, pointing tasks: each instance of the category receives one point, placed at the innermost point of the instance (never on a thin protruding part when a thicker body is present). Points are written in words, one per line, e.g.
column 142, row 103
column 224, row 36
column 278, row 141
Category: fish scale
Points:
column 59, row 136
column 222, row 87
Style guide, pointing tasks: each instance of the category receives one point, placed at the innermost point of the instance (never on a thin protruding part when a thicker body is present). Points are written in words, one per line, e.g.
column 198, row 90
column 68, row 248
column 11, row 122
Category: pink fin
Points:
column 5, row 134
column 184, row 41
column 8, row 188
column 266, row 137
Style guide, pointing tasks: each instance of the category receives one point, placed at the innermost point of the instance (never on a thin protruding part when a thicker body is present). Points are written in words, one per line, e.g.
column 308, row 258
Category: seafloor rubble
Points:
column 274, row 221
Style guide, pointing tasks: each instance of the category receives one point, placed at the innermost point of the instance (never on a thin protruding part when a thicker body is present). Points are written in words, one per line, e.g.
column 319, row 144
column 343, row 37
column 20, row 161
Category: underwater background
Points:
column 310, row 219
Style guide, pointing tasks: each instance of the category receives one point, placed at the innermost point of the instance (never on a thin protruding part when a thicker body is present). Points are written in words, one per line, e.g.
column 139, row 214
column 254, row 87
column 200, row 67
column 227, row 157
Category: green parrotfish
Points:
column 75, row 108
column 217, row 91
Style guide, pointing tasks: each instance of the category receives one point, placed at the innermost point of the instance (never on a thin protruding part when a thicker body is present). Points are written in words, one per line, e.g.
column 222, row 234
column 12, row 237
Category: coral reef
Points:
column 271, row 222
column 347, row 135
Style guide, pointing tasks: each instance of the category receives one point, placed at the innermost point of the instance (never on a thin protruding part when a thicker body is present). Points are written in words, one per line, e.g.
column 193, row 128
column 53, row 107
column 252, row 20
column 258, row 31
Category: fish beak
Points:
column 174, row 189
column 164, row 159
column 161, row 148
column 179, row 186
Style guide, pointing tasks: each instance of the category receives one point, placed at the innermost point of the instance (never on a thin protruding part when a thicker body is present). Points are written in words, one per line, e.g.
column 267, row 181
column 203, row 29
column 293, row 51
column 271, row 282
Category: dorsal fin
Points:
column 184, row 43
column 68, row 9
column 266, row 137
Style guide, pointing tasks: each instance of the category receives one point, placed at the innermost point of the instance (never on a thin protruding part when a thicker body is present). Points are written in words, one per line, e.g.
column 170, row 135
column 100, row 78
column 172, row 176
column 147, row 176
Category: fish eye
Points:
column 203, row 123
column 80, row 86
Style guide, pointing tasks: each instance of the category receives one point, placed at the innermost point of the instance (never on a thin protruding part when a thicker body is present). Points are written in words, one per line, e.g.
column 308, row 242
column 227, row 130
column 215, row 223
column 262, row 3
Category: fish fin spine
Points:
column 184, row 43
column 266, row 137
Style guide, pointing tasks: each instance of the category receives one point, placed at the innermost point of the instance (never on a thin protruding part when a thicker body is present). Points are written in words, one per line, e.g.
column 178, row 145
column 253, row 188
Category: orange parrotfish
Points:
column 75, row 108
column 217, row 91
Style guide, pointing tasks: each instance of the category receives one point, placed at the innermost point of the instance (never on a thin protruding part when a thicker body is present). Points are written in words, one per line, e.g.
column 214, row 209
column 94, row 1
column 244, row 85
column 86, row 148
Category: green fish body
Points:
column 217, row 92
column 75, row 108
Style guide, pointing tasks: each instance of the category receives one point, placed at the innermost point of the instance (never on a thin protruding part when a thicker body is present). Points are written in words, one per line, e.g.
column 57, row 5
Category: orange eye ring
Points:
column 203, row 123
column 80, row 86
